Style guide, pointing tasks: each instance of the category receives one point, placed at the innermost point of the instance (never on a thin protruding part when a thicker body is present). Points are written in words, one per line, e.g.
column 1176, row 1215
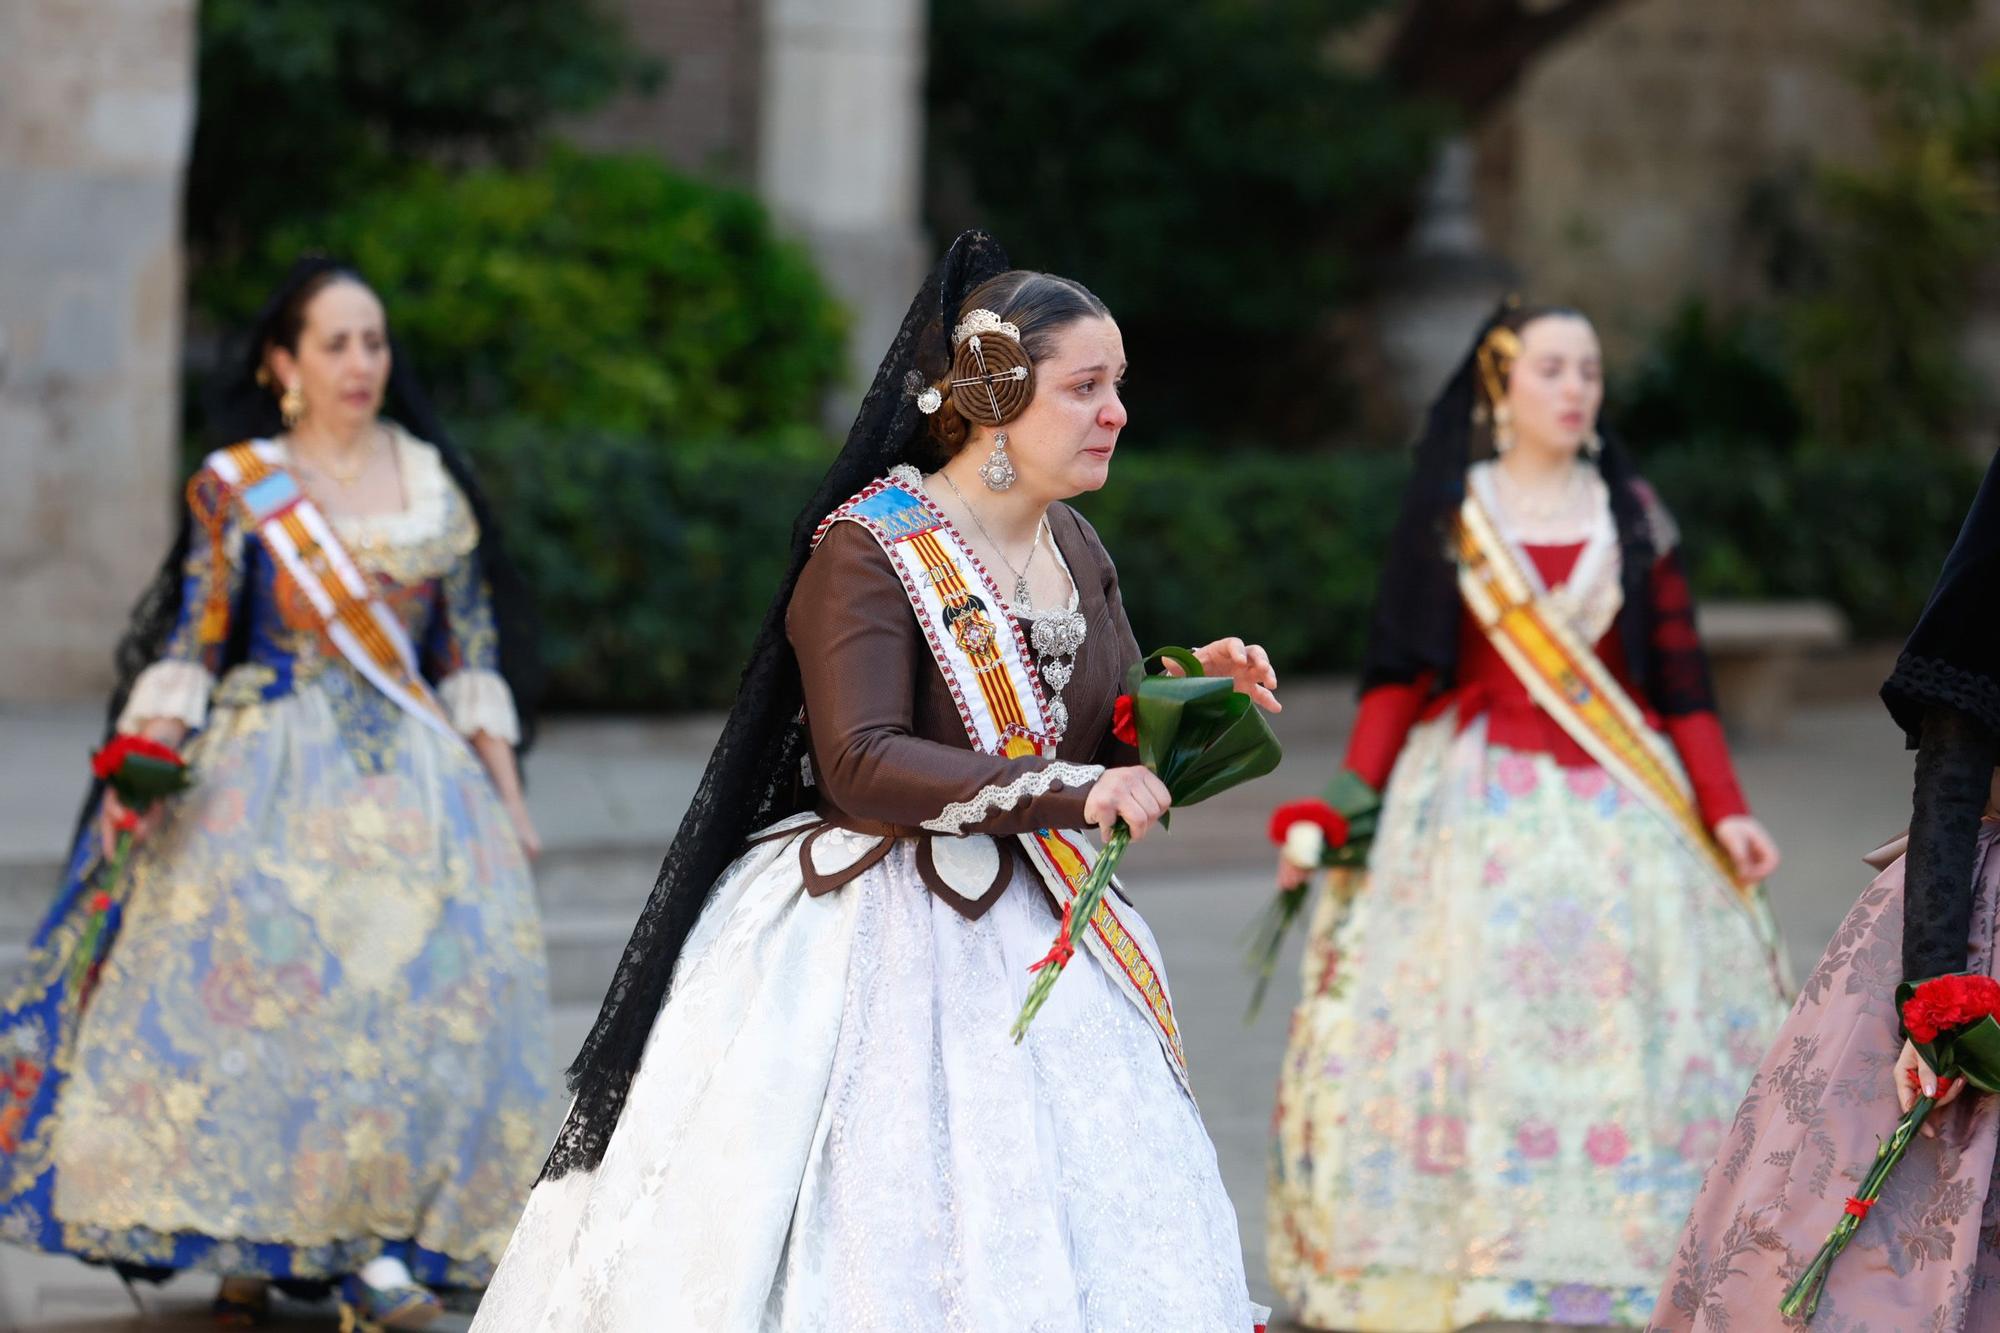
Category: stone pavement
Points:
column 607, row 794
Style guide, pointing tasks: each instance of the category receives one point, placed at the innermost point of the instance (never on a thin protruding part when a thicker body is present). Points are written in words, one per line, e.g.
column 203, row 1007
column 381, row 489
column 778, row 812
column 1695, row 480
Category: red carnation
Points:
column 119, row 748
column 100, row 902
column 1946, row 1003
column 1124, row 725
column 1314, row 811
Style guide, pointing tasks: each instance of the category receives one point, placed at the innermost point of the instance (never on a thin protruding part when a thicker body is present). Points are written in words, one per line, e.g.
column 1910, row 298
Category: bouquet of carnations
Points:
column 1334, row 831
column 1200, row 737
column 1951, row 1022
column 142, row 772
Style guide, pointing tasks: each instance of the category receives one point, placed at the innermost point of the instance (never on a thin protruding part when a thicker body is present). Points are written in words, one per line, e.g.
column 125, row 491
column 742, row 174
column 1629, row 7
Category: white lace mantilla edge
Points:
column 1037, row 782
column 168, row 688
column 481, row 701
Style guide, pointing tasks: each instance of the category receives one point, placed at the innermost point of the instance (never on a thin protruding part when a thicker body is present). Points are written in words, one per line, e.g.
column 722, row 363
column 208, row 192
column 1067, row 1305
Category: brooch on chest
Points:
column 973, row 630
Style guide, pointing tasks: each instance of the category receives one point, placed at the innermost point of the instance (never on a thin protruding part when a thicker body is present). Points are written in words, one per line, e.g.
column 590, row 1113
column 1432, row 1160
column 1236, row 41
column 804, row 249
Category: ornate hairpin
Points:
column 1498, row 352
column 928, row 398
column 990, row 377
column 983, row 321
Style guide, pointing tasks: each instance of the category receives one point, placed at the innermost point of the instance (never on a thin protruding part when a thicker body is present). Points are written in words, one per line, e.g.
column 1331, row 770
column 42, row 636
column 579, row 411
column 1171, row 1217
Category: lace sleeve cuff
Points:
column 172, row 688
column 956, row 817
column 480, row 701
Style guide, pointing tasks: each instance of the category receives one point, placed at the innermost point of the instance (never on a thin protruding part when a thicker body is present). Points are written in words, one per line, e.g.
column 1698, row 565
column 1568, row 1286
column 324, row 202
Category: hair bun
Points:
column 1002, row 379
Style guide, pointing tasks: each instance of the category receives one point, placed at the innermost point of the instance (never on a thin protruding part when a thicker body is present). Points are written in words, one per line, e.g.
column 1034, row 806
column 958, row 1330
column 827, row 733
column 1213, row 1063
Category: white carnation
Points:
column 1305, row 842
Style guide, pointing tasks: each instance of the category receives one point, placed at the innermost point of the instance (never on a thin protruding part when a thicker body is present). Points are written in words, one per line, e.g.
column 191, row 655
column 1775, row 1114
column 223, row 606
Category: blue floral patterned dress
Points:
column 319, row 1033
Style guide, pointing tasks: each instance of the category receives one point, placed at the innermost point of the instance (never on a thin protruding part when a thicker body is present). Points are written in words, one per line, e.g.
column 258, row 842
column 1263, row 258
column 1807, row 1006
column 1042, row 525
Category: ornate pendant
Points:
column 1058, row 715
column 998, row 469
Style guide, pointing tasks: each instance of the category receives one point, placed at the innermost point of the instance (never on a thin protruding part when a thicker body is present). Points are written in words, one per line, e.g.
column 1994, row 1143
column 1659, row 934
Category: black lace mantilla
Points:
column 1414, row 627
column 1924, row 683
column 752, row 777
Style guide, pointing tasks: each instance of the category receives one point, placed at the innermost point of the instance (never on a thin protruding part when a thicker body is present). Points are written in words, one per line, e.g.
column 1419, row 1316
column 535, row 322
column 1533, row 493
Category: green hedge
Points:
column 653, row 564
column 595, row 292
column 1866, row 531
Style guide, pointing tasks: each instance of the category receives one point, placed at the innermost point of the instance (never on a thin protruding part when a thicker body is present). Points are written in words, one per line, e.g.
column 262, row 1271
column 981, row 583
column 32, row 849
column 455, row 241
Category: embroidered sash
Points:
column 984, row 657
column 303, row 542
column 1565, row 677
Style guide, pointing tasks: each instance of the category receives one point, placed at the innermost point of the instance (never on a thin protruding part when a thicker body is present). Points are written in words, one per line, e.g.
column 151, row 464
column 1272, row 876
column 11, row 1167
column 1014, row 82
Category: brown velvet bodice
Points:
column 889, row 749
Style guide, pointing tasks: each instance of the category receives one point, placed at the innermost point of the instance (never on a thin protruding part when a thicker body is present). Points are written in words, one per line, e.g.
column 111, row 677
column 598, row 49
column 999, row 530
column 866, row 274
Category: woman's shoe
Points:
column 243, row 1302
column 366, row 1309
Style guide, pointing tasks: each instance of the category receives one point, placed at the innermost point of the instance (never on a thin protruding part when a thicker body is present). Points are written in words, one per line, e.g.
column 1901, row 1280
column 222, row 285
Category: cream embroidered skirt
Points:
column 832, row 1130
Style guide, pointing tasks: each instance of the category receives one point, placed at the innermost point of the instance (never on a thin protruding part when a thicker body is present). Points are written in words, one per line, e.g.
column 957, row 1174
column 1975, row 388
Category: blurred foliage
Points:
column 1282, row 548
column 1865, row 529
column 654, row 566
column 1877, row 267
column 1710, row 376
column 1212, row 168
column 304, row 102
column 604, row 293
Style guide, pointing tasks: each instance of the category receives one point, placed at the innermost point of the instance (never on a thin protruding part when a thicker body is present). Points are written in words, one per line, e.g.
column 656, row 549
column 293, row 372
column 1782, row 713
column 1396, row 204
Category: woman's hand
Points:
column 1245, row 663
column 1912, row 1076
column 113, row 818
column 504, row 769
column 1750, row 847
column 1291, row 874
column 524, row 827
column 1132, row 794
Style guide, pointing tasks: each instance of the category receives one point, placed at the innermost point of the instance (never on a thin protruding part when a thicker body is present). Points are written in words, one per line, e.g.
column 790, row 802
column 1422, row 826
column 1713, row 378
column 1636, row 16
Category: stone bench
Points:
column 1756, row 648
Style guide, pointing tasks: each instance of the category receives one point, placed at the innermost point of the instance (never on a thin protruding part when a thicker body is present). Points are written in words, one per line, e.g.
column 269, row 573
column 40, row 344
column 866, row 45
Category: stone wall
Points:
column 1619, row 175
column 840, row 157
column 96, row 106
column 815, row 104
column 703, row 117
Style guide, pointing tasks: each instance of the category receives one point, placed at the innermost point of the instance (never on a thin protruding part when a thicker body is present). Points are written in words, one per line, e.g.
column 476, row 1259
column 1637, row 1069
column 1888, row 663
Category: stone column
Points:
column 96, row 108
column 1436, row 294
column 840, row 157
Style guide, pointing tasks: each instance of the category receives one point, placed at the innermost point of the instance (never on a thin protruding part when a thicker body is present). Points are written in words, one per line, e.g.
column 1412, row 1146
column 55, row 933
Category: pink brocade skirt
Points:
column 1927, row 1258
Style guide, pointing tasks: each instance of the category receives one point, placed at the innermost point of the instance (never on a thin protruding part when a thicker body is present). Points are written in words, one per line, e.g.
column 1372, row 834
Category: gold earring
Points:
column 1503, row 429
column 292, row 405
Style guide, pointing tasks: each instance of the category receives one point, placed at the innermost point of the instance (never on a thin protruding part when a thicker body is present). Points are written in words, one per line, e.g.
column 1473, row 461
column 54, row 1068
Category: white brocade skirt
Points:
column 832, row 1130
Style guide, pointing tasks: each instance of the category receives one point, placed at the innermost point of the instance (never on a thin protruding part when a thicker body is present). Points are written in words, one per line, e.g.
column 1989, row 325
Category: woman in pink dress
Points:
column 1927, row 1256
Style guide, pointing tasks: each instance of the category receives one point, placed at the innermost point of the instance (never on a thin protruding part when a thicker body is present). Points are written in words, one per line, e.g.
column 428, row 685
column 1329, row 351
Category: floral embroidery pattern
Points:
column 1544, row 1016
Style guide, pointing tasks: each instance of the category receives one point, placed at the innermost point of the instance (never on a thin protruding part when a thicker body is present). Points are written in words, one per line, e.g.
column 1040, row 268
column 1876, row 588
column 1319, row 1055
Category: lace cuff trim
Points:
column 172, row 688
column 1920, row 681
column 480, row 701
column 1038, row 782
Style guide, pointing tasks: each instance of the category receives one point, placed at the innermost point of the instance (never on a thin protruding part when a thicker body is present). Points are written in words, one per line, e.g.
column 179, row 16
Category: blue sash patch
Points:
column 271, row 495
column 895, row 513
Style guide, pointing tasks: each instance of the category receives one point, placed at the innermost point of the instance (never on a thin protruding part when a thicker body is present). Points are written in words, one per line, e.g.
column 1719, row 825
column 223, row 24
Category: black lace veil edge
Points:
column 1414, row 628
column 753, row 774
column 1952, row 658
column 237, row 409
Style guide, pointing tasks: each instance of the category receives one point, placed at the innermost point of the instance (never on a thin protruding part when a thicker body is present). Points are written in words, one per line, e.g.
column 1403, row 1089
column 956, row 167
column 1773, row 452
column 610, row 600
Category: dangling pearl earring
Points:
column 1503, row 428
column 1593, row 445
column 292, row 405
column 998, row 469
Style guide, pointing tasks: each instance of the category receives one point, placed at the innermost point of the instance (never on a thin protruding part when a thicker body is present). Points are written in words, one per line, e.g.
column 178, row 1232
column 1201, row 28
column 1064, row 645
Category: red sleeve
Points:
column 1680, row 681
column 1698, row 737
column 1387, row 714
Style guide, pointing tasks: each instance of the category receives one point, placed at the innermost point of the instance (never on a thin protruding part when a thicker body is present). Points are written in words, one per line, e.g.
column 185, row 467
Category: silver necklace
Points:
column 1540, row 510
column 1022, row 597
